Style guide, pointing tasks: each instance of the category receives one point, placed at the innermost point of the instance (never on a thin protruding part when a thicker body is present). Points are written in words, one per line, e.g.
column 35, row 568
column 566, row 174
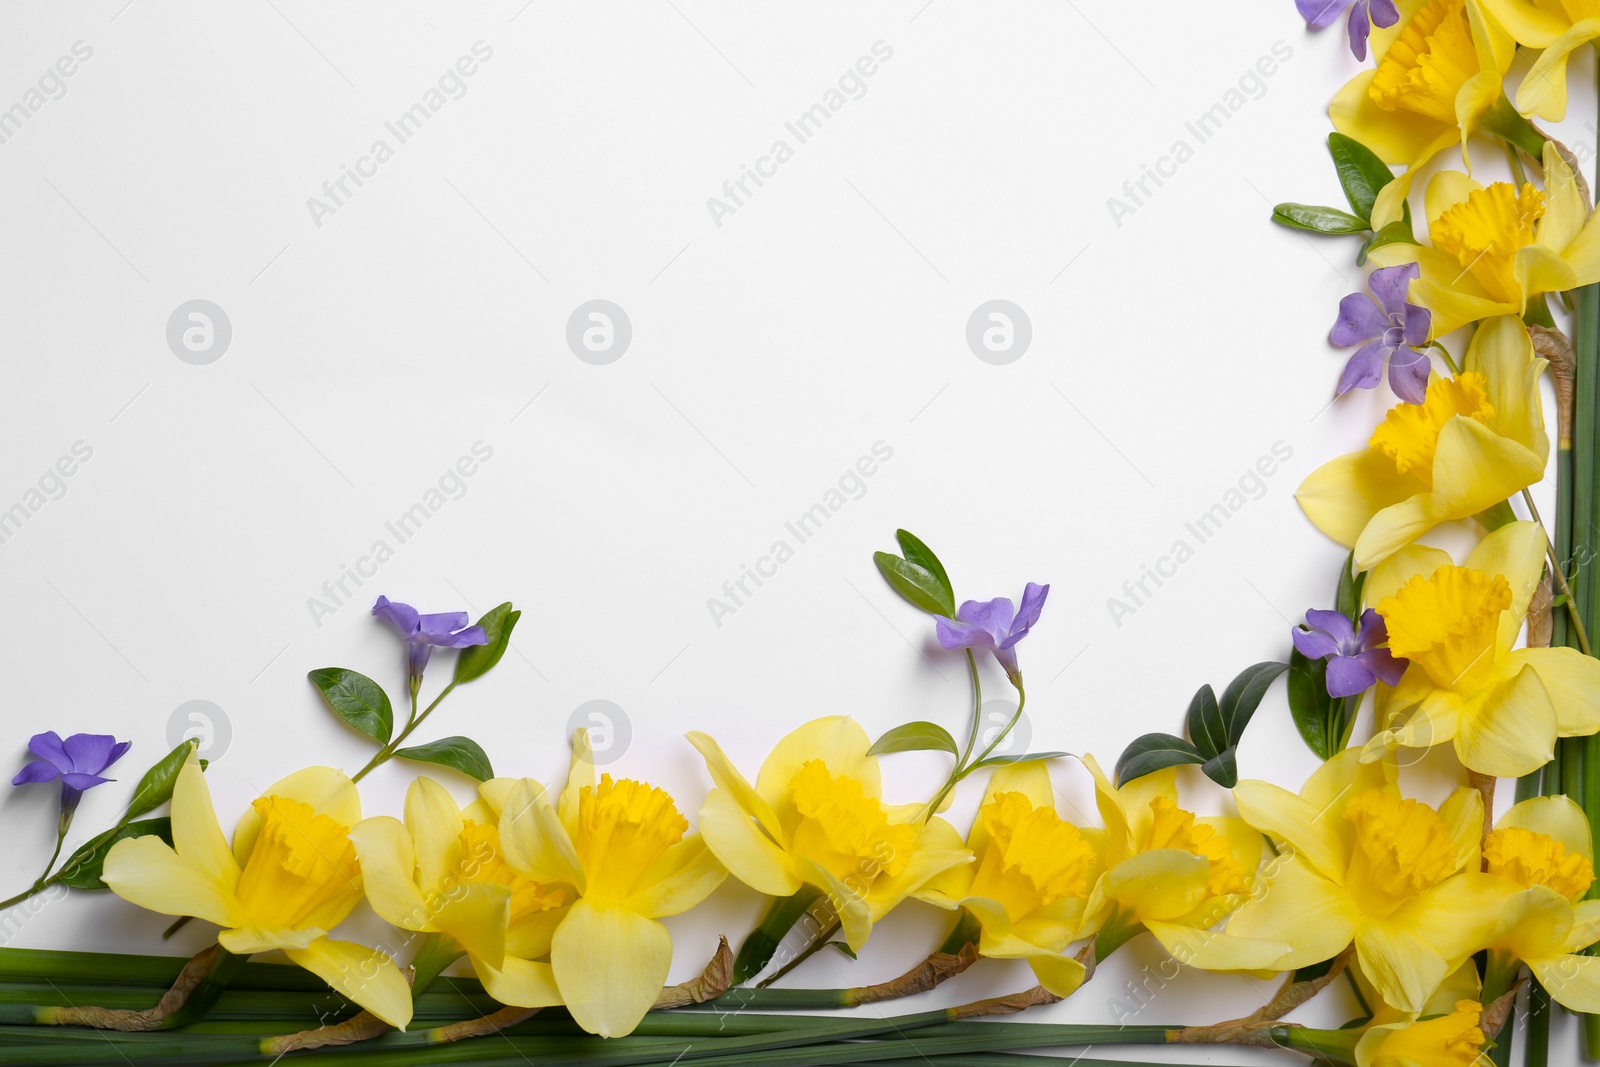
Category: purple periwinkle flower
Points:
column 1388, row 329
column 77, row 762
column 996, row 625
column 1364, row 14
column 1355, row 656
column 424, row 633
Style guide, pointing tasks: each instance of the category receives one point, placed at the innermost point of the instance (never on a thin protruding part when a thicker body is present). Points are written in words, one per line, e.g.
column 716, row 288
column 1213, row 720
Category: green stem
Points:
column 762, row 943
column 966, row 932
column 436, row 952
column 1022, row 699
column 387, row 751
column 1449, row 360
column 45, row 880
column 1558, row 571
column 818, row 942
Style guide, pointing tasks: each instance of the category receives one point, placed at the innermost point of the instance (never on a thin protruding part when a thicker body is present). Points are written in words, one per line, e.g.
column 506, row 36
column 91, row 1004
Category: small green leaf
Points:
column 1204, row 723
column 1361, row 173
column 458, row 753
column 915, row 737
column 356, row 699
column 918, row 585
column 1328, row 220
column 475, row 661
column 1396, row 233
column 82, row 869
column 1347, row 600
column 155, row 788
column 1243, row 696
column 843, row 947
column 1559, row 600
column 920, row 554
column 1026, row 757
column 1309, row 703
column 1223, row 768
column 1154, row 752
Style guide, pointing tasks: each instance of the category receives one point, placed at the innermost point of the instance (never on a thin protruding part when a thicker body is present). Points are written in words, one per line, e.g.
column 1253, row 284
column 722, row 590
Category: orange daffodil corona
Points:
column 1475, row 441
column 290, row 877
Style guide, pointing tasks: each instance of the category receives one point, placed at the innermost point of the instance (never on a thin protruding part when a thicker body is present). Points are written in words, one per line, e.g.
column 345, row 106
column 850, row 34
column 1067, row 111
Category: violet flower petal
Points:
column 442, row 624
column 1320, row 13
column 1391, row 284
column 1360, row 319
column 1032, row 604
column 48, row 746
column 39, row 770
column 1373, row 631
column 1418, row 324
column 1383, row 13
column 1409, row 372
column 80, row 782
column 953, row 633
column 1347, row 676
column 1336, row 624
column 91, row 753
column 1365, row 368
column 403, row 617
column 1359, row 27
column 1385, row 665
column 995, row 615
column 1313, row 644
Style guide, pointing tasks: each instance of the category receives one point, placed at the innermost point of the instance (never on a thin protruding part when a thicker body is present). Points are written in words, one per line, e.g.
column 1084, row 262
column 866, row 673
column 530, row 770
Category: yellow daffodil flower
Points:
column 1474, row 442
column 814, row 817
column 291, row 876
column 1543, row 849
column 1503, row 707
column 1495, row 248
column 1360, row 863
column 1558, row 28
column 441, row 872
column 1031, row 882
column 1437, row 80
column 1171, row 873
column 623, row 852
column 1453, row 1040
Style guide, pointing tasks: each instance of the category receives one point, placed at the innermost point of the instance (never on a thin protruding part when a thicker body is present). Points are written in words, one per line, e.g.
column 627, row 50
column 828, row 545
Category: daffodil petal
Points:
column 532, row 839
column 1502, row 352
column 476, row 915
column 1401, row 965
column 1400, row 567
column 683, row 876
column 610, row 964
column 728, row 779
column 364, row 975
column 1314, row 832
column 1515, row 551
column 494, row 793
column 837, row 740
column 196, row 834
column 1513, row 730
column 326, row 790
column 1565, row 207
column 1526, row 22
column 1212, row 951
column 1543, row 91
column 1585, row 926
column 1572, row 981
column 433, row 819
column 748, row 854
column 1572, row 681
column 1556, row 817
column 580, row 776
column 147, row 872
column 388, row 872
column 520, row 983
column 1059, row 974
column 1456, row 917
column 1475, row 468
column 886, row 893
column 248, row 940
column 1462, row 813
column 1342, row 496
column 1300, row 906
column 1161, row 884
column 855, row 918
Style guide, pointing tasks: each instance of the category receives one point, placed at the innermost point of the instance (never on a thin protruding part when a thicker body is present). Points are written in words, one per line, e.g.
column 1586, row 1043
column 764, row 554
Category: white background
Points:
column 769, row 353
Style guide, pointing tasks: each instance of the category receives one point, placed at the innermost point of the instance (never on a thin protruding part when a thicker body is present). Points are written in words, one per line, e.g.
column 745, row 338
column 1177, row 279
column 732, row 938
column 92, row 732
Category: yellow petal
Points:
column 1400, row 964
column 886, row 892
column 580, row 776
column 1565, row 207
column 1061, row 975
column 1541, row 270
column 1583, row 254
column 1458, row 916
column 520, row 983
column 1447, row 189
column 749, row 855
column 1386, row 578
column 146, row 871
column 854, row 916
column 388, row 872
column 1572, row 981
column 1424, row 717
column 434, row 821
column 1475, row 468
column 728, row 778
column 1119, row 836
column 1585, row 926
column 681, row 877
column 1456, row 299
column 1556, row 817
column 364, row 975
column 1162, row 884
column 1345, row 776
column 476, row 915
column 610, row 964
column 1516, row 551
column 1534, row 923
column 1513, row 730
column 196, row 835
column 837, row 740
column 1462, row 813
column 533, row 841
column 1525, row 21
column 1395, row 527
column 1544, row 88
column 1572, row 681
column 328, row 791
column 1218, row 952
column 1137, row 796
column 1342, row 496
column 529, row 937
column 248, row 940
column 1299, row 906
column 1313, row 831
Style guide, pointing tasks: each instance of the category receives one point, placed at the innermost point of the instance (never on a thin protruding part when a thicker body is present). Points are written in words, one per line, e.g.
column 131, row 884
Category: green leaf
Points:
column 1154, row 752
column 915, row 737
column 356, row 699
column 1026, row 757
column 1204, row 723
column 918, row 585
column 920, row 554
column 1223, row 768
column 82, row 869
column 1328, row 220
column 475, row 661
column 1361, row 173
column 155, row 788
column 458, row 753
column 1347, row 600
column 1243, row 696
column 1396, row 233
column 1309, row 703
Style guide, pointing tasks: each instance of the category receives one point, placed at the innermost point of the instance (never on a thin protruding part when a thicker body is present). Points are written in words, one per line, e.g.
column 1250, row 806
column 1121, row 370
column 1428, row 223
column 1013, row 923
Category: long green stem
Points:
column 387, row 752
